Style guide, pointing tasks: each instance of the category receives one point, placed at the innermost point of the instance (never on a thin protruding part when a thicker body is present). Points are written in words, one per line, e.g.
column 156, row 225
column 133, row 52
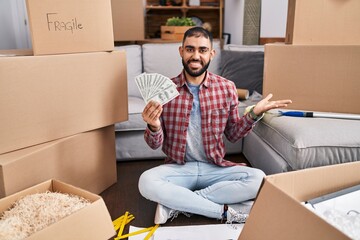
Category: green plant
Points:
column 176, row 21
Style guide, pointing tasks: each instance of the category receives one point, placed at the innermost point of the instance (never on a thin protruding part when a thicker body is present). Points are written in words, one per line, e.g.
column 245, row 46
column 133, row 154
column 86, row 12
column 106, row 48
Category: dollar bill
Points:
column 156, row 87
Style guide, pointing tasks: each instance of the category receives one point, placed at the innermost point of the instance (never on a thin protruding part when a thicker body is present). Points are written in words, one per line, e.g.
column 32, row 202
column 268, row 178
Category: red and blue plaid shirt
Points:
column 219, row 116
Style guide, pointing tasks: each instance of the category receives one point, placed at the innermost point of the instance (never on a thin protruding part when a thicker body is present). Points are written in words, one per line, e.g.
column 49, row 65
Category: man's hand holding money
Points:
column 151, row 115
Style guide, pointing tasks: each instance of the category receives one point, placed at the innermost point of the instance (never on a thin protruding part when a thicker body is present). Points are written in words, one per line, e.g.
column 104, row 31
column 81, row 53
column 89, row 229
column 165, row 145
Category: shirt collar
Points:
column 206, row 81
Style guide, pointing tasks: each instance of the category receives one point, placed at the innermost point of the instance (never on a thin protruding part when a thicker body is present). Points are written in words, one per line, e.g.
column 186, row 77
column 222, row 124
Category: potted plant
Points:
column 175, row 28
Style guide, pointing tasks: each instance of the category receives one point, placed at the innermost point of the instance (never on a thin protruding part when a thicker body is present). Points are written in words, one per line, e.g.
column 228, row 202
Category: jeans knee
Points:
column 144, row 184
column 150, row 185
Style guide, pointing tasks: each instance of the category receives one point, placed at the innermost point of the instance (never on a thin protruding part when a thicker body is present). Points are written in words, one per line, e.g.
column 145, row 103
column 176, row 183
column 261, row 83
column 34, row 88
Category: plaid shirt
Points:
column 219, row 115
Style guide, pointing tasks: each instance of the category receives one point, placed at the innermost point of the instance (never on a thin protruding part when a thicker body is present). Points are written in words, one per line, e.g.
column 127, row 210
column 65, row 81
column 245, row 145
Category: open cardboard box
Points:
column 278, row 212
column 92, row 222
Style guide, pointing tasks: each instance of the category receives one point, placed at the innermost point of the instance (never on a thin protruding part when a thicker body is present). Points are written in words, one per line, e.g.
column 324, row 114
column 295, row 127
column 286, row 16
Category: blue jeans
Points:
column 199, row 187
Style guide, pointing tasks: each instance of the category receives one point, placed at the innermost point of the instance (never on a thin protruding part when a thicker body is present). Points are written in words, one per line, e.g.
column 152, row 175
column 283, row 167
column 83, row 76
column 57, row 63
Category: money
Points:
column 156, row 87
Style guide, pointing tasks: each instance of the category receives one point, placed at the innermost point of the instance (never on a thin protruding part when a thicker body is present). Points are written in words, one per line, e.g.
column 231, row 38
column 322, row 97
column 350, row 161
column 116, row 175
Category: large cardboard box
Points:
column 128, row 20
column 314, row 77
column 278, row 212
column 323, row 22
column 43, row 98
column 86, row 160
column 66, row 26
column 90, row 223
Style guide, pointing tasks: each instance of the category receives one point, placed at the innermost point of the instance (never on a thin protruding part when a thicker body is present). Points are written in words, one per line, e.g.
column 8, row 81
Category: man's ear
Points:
column 212, row 54
column 181, row 51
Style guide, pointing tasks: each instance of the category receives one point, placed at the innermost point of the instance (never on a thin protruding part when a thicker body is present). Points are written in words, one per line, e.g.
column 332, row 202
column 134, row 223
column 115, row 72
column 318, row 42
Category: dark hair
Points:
column 198, row 32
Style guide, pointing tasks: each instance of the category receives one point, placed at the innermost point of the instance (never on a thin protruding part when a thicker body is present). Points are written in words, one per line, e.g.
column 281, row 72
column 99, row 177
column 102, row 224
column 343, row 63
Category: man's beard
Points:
column 195, row 73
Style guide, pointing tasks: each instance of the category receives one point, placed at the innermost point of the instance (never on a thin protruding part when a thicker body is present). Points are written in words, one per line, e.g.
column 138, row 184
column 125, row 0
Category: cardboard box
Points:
column 43, row 98
column 92, row 222
column 314, row 77
column 173, row 32
column 86, row 160
column 323, row 22
column 278, row 212
column 65, row 26
column 128, row 20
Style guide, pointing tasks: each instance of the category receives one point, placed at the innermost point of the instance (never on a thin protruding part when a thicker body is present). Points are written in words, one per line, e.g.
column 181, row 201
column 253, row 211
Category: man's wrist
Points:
column 252, row 114
column 153, row 129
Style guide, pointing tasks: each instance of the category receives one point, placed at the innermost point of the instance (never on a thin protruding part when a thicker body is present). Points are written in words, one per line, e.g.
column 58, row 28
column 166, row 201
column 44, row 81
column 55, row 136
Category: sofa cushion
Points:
column 245, row 69
column 164, row 58
column 134, row 67
column 311, row 142
column 135, row 121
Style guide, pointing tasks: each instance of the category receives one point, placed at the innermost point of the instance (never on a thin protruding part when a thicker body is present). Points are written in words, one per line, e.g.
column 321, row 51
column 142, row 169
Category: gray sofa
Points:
column 276, row 144
column 161, row 58
column 280, row 144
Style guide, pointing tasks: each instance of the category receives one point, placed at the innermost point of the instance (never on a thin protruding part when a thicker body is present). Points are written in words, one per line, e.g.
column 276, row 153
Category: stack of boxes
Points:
column 319, row 70
column 59, row 102
column 318, row 67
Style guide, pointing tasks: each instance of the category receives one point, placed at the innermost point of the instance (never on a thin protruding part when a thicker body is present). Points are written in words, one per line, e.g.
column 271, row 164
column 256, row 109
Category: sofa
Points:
column 281, row 144
column 164, row 58
column 276, row 144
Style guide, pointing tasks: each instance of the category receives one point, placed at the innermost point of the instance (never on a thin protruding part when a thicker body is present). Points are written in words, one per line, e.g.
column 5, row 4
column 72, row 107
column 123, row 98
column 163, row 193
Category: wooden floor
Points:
column 124, row 196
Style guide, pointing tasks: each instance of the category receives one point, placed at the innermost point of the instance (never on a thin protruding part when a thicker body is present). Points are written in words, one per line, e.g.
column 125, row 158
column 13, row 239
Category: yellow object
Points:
column 135, row 233
column 151, row 232
column 123, row 224
column 121, row 221
column 117, row 222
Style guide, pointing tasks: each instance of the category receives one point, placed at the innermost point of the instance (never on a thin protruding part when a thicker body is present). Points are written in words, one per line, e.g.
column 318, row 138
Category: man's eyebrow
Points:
column 201, row 47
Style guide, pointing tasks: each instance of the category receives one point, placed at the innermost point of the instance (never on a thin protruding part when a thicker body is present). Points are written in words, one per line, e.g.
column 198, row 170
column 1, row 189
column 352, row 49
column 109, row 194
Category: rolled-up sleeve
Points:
column 153, row 139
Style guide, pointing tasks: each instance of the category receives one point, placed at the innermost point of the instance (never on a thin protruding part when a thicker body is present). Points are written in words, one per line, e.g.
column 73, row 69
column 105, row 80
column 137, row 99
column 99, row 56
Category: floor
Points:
column 124, row 196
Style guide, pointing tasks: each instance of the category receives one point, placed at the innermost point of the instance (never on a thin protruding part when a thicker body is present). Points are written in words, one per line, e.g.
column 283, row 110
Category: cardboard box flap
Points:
column 50, row 185
column 277, row 216
column 9, row 200
column 58, row 186
column 78, row 225
column 279, row 213
column 309, row 183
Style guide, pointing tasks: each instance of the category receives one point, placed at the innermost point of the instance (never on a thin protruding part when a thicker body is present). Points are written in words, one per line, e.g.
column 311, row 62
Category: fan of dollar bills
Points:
column 154, row 86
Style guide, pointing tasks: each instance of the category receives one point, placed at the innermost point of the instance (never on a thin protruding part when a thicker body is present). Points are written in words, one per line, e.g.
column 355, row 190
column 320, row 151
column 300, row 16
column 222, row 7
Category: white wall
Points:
column 14, row 32
column 273, row 18
column 7, row 34
column 272, row 22
column 234, row 20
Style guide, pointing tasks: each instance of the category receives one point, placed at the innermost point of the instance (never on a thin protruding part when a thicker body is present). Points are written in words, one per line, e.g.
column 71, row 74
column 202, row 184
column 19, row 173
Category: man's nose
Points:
column 196, row 55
